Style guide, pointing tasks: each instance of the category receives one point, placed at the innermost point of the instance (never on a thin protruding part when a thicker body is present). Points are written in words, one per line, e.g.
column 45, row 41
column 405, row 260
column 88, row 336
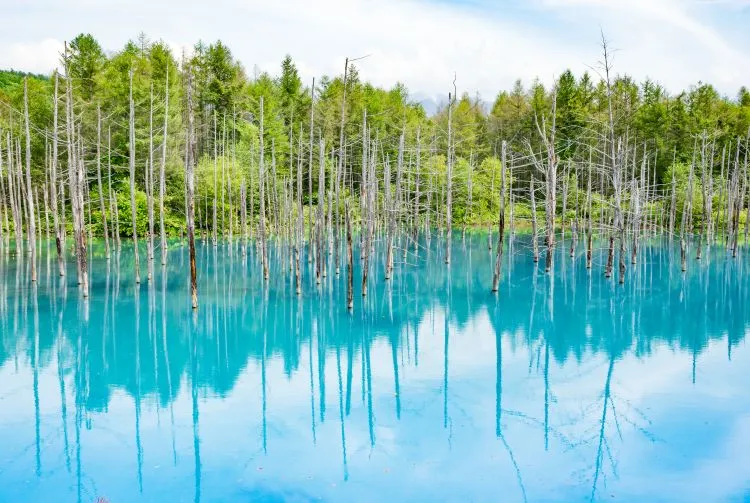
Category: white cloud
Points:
column 419, row 42
column 38, row 57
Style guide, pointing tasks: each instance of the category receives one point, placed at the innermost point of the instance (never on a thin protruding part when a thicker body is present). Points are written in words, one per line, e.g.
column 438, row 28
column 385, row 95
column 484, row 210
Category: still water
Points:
column 563, row 387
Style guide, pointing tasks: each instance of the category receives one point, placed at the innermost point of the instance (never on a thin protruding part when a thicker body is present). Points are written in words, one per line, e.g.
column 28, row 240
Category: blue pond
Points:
column 562, row 387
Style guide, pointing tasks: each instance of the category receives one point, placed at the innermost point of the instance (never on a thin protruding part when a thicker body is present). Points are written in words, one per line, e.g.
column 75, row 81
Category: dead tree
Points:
column 150, row 185
column 449, row 177
column 162, row 173
column 131, row 159
column 30, row 224
column 500, row 223
column 262, row 221
column 349, row 259
column 534, row 243
column 59, row 245
column 190, row 192
column 548, row 169
column 99, row 179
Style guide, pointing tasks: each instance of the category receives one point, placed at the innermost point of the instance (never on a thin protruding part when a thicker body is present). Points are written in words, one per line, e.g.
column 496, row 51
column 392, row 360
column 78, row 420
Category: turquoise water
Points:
column 563, row 387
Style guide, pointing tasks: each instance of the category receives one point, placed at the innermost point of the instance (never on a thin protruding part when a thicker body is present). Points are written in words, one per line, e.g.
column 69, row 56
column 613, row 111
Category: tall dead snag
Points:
column 320, row 224
column 367, row 204
column 150, row 185
column 243, row 216
column 617, row 155
column 131, row 159
column 349, row 259
column 469, row 194
column 216, row 176
column 14, row 199
column 75, row 182
column 500, row 223
column 299, row 227
column 534, row 243
column 162, row 173
column 3, row 209
column 565, row 188
column 394, row 207
column 311, row 170
column 30, row 224
column 190, row 191
column 99, row 179
column 746, row 191
column 262, row 221
column 673, row 198
column 686, row 211
column 79, row 195
column 574, row 225
column 738, row 201
column 53, row 185
column 705, row 220
column 548, row 170
column 417, row 194
column 449, row 177
column 340, row 167
column 114, row 209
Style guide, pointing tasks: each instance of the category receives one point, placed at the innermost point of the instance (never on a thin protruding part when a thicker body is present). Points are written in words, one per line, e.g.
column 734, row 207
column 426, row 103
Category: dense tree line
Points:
column 227, row 107
column 192, row 143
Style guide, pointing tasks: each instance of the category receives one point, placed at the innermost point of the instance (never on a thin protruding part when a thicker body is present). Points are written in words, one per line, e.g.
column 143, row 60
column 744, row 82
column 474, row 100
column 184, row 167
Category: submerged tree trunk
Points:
column 500, row 224
column 190, row 192
column 449, row 182
column 59, row 245
column 349, row 260
column 31, row 224
column 149, row 175
column 131, row 157
column 99, row 179
column 262, row 222
column 534, row 243
column 311, row 170
column 162, row 174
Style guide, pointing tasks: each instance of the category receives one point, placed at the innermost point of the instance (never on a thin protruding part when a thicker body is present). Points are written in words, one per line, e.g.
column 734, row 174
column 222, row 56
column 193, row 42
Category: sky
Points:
column 486, row 44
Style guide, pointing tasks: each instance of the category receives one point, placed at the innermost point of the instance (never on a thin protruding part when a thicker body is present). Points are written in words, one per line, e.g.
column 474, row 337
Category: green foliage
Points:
column 227, row 117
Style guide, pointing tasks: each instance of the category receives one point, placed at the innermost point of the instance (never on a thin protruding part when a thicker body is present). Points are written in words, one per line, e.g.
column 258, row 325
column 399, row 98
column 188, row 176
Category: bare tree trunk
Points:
column 449, row 177
column 706, row 210
column 216, row 168
column 500, row 224
column 223, row 175
column 320, row 260
column 393, row 207
column 534, row 242
column 131, row 157
column 310, row 237
column 262, row 228
column 340, row 167
column 243, row 216
column 350, row 260
column 15, row 202
column 31, row 224
column 99, row 179
column 162, row 173
column 190, row 190
column 299, row 227
column 3, row 210
column 114, row 208
column 59, row 244
column 80, row 205
column 417, row 194
column 368, row 203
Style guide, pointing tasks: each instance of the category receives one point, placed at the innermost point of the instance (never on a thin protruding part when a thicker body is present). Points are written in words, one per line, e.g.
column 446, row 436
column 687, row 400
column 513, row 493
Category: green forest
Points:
column 661, row 126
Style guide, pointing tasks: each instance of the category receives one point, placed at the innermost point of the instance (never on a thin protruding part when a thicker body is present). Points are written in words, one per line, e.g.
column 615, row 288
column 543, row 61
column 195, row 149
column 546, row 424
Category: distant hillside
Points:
column 12, row 78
